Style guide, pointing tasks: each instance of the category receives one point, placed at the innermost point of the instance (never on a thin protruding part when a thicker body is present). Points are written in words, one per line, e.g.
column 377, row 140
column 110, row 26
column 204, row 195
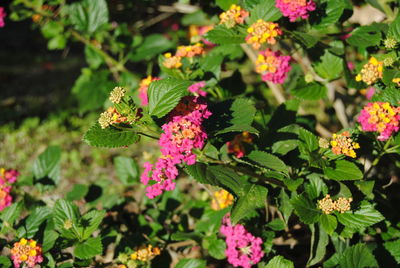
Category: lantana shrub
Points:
column 268, row 132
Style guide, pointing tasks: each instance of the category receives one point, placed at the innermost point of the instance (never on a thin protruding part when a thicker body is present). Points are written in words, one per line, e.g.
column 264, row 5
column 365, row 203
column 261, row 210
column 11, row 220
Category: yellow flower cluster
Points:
column 381, row 114
column 262, row 32
column 344, row 144
column 397, row 81
column 235, row 15
column 371, row 72
column 145, row 253
column 190, row 51
column 172, row 62
column 221, row 200
column 327, row 205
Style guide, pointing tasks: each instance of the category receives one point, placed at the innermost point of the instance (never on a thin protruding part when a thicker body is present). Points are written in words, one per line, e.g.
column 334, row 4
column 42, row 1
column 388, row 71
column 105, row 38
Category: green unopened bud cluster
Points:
column 390, row 43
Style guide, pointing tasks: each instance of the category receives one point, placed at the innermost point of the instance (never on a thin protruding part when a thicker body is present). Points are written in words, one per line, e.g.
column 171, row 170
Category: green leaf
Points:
column 279, row 262
column 316, row 186
column 225, row 4
column 285, row 206
column 93, row 58
column 165, row 94
column 127, row 169
column 394, row 29
column 57, row 42
column 90, row 222
column 223, row 36
column 365, row 216
column 312, row 91
column 330, row 67
column 226, row 178
column 285, row 146
column 78, row 192
column 5, row 262
column 277, row 225
column 33, row 222
column 212, row 63
column 319, row 241
column 309, row 140
column 48, row 164
column 152, row 45
column 198, row 172
column 92, row 89
column 191, row 263
column 211, row 220
column 333, row 12
column 394, row 248
column 357, row 256
column 307, row 40
column 255, row 196
column 65, row 214
column 366, row 187
column 89, row 248
column 328, row 223
column 389, row 94
column 109, row 137
column 242, row 117
column 88, row 15
column 269, row 161
column 49, row 239
column 52, row 29
column 342, row 170
column 9, row 215
column 196, row 18
column 181, row 236
column 365, row 36
column 305, row 209
column 266, row 11
column 216, row 247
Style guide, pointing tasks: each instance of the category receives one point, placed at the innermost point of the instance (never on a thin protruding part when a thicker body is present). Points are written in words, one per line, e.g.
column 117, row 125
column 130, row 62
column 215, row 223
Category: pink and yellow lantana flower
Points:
column 380, row 117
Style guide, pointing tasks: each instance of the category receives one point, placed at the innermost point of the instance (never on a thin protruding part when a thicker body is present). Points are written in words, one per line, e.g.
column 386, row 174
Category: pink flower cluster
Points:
column 143, row 87
column 182, row 133
column 2, row 16
column 295, row 8
column 243, row 249
column 380, row 117
column 196, row 89
column 7, row 177
column 273, row 66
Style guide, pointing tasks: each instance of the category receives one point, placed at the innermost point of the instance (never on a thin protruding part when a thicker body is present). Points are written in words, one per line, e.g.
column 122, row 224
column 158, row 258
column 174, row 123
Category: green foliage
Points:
column 109, row 137
column 191, row 263
column 89, row 248
column 165, row 94
column 127, row 169
column 266, row 11
column 152, row 45
column 88, row 15
column 48, row 164
column 312, row 91
column 366, row 215
column 269, row 161
column 342, row 170
column 242, row 116
column 394, row 248
column 305, row 209
column 279, row 261
column 223, row 36
column 357, row 256
column 254, row 197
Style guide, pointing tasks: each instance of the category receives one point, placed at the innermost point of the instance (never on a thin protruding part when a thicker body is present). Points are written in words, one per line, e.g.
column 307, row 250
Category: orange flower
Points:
column 371, row 72
column 221, row 200
column 235, row 15
column 262, row 32
column 343, row 144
